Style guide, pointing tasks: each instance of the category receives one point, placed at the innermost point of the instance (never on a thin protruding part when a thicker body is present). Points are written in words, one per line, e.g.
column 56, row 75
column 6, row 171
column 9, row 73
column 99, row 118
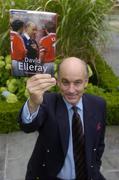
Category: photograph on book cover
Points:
column 33, row 42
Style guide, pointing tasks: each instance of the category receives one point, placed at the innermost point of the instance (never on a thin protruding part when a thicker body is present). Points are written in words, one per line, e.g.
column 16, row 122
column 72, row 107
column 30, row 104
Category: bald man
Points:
column 29, row 37
column 52, row 114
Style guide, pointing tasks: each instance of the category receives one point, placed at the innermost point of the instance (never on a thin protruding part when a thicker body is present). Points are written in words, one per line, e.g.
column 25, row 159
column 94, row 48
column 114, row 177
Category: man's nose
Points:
column 71, row 88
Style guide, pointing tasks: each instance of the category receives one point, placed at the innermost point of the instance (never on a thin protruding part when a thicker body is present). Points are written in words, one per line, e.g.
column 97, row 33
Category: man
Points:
column 48, row 42
column 29, row 36
column 18, row 50
column 52, row 115
column 47, row 46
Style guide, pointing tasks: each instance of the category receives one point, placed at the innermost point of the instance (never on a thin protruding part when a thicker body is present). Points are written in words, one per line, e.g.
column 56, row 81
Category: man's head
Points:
column 31, row 29
column 17, row 25
column 49, row 27
column 72, row 79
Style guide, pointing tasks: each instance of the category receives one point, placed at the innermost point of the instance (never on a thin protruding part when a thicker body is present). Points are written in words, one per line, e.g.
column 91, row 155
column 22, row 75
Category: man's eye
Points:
column 65, row 83
column 78, row 82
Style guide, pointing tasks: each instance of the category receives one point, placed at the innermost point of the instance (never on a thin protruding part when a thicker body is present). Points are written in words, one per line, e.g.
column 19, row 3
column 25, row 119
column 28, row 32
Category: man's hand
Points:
column 36, row 86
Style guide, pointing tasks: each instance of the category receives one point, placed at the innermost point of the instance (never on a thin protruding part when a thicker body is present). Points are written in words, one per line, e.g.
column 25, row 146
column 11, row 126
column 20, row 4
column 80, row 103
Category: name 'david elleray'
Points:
column 32, row 67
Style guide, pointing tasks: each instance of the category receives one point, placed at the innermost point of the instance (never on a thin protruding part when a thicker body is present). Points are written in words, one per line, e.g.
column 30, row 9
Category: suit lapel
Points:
column 63, row 123
column 89, row 118
column 89, row 127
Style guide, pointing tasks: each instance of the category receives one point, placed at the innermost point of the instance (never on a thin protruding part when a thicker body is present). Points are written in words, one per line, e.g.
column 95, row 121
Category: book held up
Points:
column 33, row 42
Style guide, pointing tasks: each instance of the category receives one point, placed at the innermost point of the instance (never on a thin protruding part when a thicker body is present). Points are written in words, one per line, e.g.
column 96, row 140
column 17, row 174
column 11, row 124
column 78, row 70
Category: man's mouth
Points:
column 69, row 96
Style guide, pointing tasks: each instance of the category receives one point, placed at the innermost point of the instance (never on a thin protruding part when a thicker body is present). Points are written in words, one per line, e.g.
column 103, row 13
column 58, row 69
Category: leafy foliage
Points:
column 112, row 100
column 9, row 83
column 103, row 75
column 9, row 110
column 5, row 5
column 81, row 25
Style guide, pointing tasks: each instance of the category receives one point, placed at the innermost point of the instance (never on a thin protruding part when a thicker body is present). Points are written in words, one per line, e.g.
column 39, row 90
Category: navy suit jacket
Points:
column 31, row 53
column 51, row 147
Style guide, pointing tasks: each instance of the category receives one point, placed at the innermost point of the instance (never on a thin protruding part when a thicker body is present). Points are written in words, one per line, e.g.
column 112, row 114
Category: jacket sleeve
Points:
column 37, row 122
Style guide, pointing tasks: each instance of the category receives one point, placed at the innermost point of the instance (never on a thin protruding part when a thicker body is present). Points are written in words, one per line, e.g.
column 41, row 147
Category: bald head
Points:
column 31, row 29
column 30, row 23
column 73, row 64
column 72, row 79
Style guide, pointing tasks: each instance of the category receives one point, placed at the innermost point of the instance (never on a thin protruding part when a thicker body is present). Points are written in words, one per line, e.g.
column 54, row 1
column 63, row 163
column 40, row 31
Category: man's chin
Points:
column 72, row 101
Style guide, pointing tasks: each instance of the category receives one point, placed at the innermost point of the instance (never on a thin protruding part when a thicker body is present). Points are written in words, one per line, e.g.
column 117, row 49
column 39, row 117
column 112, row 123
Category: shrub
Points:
column 15, row 85
column 4, row 21
column 80, row 25
column 107, row 79
column 9, row 110
column 112, row 100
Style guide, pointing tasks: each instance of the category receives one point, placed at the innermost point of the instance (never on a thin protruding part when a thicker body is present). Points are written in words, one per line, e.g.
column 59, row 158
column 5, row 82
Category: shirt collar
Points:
column 27, row 36
column 79, row 105
column 14, row 32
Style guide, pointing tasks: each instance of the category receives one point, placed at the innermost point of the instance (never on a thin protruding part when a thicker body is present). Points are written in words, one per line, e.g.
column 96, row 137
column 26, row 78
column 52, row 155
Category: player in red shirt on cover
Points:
column 47, row 46
column 18, row 50
column 48, row 43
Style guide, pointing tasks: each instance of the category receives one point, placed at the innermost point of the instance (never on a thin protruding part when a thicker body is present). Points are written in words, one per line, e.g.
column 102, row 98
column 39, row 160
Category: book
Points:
column 33, row 42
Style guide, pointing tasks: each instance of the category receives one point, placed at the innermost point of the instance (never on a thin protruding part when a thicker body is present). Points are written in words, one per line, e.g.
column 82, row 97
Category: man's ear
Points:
column 57, row 82
column 86, row 83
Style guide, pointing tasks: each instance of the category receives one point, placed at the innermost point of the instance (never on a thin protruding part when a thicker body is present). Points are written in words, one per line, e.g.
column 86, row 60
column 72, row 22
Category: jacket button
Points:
column 43, row 164
column 48, row 150
column 91, row 166
column 94, row 149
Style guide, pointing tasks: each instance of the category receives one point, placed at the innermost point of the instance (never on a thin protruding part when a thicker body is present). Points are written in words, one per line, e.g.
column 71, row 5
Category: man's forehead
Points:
column 71, row 80
column 72, row 76
column 72, row 67
column 72, row 63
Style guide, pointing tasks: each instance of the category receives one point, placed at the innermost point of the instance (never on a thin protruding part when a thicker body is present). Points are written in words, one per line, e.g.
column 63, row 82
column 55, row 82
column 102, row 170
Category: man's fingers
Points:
column 37, row 85
column 37, row 81
column 43, row 81
column 41, row 92
column 40, row 76
column 45, row 88
column 41, row 87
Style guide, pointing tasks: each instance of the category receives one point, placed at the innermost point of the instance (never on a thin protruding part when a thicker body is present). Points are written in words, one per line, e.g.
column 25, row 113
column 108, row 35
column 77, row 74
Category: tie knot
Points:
column 74, row 108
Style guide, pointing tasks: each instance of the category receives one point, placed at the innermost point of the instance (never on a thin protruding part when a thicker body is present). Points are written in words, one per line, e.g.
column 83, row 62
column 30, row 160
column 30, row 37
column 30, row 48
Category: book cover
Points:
column 33, row 42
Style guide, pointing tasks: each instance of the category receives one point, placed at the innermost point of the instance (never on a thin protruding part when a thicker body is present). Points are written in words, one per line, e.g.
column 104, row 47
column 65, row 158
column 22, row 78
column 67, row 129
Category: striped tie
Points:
column 78, row 146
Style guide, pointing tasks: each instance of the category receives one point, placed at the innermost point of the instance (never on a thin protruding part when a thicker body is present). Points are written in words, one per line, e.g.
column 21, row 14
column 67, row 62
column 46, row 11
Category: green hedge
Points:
column 108, row 82
column 9, row 112
column 106, row 77
column 112, row 100
column 106, row 86
column 8, row 116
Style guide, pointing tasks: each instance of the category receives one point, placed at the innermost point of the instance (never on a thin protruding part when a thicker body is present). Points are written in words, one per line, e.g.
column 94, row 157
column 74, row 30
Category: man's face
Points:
column 32, row 30
column 72, row 82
